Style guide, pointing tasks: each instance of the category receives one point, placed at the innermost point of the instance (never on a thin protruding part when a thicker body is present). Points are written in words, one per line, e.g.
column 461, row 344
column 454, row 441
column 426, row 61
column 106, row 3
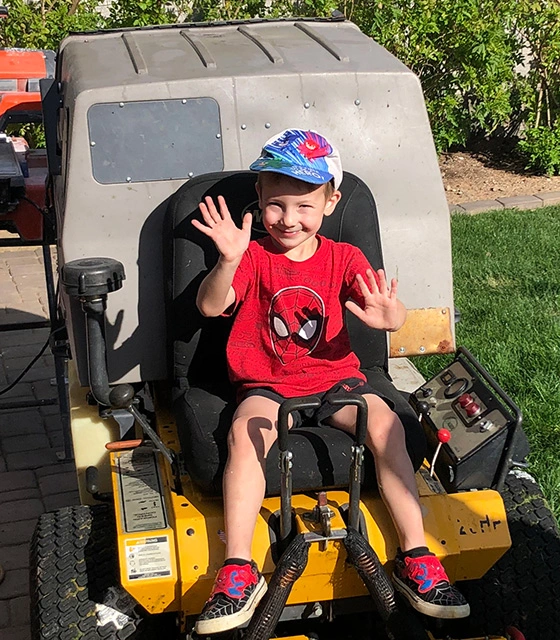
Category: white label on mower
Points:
column 148, row 558
column 140, row 489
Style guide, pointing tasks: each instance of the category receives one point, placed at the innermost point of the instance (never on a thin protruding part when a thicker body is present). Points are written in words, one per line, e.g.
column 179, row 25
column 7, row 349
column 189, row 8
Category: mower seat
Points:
column 203, row 400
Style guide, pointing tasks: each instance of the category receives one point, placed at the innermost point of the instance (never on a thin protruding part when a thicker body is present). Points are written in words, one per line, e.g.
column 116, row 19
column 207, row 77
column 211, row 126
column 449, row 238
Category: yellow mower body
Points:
column 169, row 542
column 468, row 531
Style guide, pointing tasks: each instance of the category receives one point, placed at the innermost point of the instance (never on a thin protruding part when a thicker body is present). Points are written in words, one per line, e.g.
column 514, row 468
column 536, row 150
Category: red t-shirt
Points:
column 289, row 333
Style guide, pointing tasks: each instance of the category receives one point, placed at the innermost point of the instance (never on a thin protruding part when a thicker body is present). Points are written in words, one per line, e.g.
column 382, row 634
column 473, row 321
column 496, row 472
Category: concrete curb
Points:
column 515, row 202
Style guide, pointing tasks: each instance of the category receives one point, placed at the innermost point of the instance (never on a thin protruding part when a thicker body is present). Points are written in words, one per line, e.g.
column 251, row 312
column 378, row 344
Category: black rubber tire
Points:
column 74, row 568
column 523, row 588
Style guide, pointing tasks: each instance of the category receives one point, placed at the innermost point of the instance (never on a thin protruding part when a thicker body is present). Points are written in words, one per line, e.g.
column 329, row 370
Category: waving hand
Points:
column 382, row 309
column 230, row 240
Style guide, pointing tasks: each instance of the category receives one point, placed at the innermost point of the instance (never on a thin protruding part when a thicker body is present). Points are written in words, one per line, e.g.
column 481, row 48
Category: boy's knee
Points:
column 247, row 434
column 384, row 425
column 379, row 412
column 238, row 433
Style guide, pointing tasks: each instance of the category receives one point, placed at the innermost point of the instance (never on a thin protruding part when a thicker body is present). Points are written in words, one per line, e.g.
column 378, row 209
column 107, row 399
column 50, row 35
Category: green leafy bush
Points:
column 33, row 133
column 131, row 13
column 487, row 67
column 541, row 147
column 42, row 25
column 464, row 53
column 539, row 26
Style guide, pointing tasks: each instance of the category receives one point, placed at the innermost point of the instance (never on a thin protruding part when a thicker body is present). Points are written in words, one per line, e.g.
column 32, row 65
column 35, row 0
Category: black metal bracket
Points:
column 285, row 459
column 286, row 456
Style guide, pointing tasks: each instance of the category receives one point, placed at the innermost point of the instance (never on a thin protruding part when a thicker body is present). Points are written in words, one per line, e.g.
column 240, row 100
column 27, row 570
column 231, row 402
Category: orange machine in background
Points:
column 23, row 171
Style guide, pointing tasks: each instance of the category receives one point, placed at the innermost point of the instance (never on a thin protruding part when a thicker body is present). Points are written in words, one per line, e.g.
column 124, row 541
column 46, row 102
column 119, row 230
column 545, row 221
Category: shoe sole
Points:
column 428, row 608
column 226, row 623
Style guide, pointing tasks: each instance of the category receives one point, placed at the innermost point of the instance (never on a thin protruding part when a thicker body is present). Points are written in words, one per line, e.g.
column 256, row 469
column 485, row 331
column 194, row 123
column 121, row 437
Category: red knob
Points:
column 465, row 400
column 443, row 435
column 472, row 409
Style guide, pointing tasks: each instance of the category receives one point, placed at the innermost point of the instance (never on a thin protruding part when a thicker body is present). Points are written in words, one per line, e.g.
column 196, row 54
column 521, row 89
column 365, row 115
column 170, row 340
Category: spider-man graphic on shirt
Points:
column 296, row 322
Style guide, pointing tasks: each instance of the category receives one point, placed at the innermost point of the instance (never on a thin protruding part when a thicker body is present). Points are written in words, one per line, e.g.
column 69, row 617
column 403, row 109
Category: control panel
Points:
column 481, row 422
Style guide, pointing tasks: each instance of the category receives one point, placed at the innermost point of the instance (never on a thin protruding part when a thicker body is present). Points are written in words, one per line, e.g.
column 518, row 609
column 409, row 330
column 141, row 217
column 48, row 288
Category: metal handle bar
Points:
column 355, row 399
column 312, row 402
column 287, row 407
column 354, row 482
column 285, row 460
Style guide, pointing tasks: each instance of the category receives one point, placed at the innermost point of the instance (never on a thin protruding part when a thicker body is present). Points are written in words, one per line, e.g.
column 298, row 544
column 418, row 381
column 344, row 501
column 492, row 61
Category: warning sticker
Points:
column 140, row 488
column 148, row 558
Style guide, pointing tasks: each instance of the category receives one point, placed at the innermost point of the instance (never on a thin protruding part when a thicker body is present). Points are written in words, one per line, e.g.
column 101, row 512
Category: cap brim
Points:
column 305, row 174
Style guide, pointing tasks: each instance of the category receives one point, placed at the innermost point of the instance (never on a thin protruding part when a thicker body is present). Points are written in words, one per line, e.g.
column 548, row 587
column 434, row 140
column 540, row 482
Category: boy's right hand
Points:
column 230, row 240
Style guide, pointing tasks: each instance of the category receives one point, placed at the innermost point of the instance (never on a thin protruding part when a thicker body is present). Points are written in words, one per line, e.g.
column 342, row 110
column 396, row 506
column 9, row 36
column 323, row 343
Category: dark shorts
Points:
column 327, row 409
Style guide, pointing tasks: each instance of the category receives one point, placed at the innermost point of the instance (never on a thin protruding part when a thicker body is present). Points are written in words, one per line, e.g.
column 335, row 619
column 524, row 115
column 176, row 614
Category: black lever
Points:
column 360, row 403
column 285, row 459
column 91, row 280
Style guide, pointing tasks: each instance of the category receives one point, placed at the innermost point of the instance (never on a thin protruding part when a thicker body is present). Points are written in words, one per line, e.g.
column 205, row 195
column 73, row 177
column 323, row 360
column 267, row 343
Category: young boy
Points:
column 290, row 291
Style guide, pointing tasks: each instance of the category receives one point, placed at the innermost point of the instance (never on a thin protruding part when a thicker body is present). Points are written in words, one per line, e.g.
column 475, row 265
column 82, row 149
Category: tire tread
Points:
column 73, row 562
column 523, row 587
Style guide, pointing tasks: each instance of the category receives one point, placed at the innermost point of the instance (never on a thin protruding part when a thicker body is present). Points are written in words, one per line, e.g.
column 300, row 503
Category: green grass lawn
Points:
column 507, row 287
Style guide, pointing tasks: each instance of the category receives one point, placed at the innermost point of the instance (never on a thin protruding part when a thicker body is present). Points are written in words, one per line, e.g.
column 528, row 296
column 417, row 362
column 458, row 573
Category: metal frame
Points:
column 59, row 348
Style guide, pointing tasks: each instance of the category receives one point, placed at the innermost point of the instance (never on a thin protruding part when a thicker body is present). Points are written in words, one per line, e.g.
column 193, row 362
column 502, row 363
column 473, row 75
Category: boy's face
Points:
column 292, row 211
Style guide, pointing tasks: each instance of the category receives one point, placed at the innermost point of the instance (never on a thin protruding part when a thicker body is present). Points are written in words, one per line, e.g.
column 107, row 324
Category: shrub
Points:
column 463, row 51
column 541, row 147
column 487, row 67
column 33, row 24
column 539, row 25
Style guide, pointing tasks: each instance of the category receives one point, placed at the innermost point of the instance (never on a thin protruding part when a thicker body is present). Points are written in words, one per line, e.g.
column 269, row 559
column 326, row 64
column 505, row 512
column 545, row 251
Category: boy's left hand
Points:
column 382, row 309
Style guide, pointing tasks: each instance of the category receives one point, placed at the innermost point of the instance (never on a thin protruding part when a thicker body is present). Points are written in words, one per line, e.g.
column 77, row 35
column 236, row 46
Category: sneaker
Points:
column 237, row 592
column 425, row 584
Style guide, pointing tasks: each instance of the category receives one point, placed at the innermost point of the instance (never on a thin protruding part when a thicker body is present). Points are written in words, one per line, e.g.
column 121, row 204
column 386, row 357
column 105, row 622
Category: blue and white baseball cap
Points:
column 305, row 155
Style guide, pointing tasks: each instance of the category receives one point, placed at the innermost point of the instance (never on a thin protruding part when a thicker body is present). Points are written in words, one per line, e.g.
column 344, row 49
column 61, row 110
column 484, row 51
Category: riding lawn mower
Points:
column 141, row 124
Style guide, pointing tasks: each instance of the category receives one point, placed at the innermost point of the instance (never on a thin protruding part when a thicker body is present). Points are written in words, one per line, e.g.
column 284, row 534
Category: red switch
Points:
column 465, row 399
column 472, row 409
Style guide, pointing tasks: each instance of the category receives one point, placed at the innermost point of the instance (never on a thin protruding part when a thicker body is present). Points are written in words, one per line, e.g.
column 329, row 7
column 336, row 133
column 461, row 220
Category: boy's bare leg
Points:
column 252, row 434
column 239, row 586
column 395, row 475
column 418, row 574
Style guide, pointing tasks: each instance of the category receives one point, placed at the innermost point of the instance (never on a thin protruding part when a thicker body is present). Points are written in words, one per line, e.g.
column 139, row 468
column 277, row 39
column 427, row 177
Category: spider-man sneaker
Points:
column 237, row 592
column 425, row 584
